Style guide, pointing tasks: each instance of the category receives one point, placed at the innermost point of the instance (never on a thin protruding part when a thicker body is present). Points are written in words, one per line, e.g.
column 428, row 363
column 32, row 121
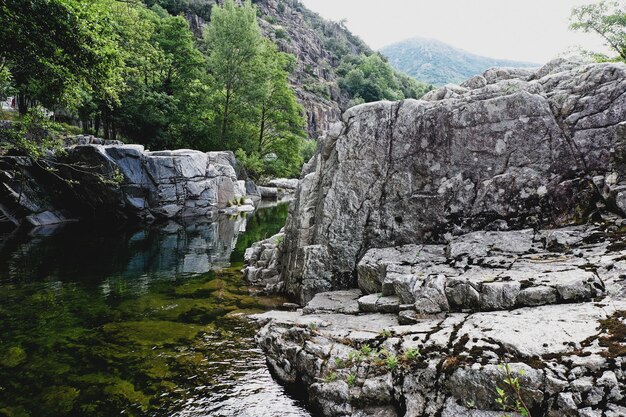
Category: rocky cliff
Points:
column 507, row 149
column 461, row 255
column 107, row 181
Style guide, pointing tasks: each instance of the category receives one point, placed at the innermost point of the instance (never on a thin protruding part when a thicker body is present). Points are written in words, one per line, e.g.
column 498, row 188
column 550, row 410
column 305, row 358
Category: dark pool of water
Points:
column 96, row 321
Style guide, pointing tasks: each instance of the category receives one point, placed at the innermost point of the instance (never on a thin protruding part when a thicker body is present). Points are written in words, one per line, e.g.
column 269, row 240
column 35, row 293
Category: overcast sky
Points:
column 526, row 30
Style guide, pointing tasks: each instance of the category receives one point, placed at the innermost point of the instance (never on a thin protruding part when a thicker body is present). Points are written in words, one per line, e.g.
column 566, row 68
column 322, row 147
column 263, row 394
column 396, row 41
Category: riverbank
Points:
column 461, row 255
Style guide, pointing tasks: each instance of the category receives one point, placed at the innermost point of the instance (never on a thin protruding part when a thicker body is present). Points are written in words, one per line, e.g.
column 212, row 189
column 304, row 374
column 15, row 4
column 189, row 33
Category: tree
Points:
column 234, row 43
column 254, row 110
column 163, row 65
column 55, row 50
column 371, row 78
column 281, row 124
column 607, row 19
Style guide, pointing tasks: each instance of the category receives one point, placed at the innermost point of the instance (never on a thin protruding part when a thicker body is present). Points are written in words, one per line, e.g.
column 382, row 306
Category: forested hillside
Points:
column 257, row 79
column 334, row 68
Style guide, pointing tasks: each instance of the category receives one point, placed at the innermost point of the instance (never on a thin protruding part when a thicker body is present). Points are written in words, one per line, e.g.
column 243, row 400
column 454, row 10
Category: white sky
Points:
column 526, row 30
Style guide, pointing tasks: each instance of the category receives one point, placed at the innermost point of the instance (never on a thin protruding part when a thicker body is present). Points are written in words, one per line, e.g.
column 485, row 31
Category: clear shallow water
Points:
column 96, row 321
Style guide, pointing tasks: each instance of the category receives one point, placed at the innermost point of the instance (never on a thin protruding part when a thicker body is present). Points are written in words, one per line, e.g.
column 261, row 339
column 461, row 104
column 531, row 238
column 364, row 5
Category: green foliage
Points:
column 331, row 377
column 280, row 33
column 32, row 135
column 385, row 333
column 58, row 50
column 412, row 354
column 234, row 44
column 6, row 83
column 253, row 108
column 12, row 357
column 510, row 397
column 308, row 149
column 392, row 362
column 351, row 379
column 201, row 8
column 370, row 78
column 608, row 20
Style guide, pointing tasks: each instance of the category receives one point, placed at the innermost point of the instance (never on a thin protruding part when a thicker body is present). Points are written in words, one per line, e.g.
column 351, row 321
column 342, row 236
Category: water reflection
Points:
column 101, row 321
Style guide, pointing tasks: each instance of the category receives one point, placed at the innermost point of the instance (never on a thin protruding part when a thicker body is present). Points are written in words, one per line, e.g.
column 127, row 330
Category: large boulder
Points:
column 509, row 150
column 118, row 181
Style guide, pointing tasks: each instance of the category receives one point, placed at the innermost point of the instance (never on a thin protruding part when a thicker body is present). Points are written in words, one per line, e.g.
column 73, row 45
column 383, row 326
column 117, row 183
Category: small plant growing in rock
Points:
column 355, row 356
column 412, row 354
column 351, row 380
column 339, row 363
column 391, row 362
column 229, row 204
column 471, row 404
column 242, row 200
column 331, row 377
column 366, row 350
column 516, row 402
column 385, row 333
column 312, row 326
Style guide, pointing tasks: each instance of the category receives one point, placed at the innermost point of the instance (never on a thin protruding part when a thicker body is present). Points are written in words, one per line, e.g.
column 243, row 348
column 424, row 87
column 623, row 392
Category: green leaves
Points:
column 513, row 387
column 370, row 78
column 255, row 109
column 608, row 20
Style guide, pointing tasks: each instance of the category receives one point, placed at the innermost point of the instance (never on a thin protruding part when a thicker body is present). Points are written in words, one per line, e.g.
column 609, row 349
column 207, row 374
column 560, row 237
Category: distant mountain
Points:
column 437, row 63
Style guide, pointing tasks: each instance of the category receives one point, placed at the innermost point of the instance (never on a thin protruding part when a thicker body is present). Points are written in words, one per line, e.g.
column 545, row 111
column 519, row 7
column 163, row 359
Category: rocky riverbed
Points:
column 461, row 255
column 446, row 318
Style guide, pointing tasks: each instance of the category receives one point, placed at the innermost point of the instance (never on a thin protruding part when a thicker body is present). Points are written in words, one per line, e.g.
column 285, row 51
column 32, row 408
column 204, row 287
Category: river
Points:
column 102, row 321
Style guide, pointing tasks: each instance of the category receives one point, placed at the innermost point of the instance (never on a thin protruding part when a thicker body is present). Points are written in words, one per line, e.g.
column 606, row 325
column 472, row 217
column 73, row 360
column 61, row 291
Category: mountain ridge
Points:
column 433, row 61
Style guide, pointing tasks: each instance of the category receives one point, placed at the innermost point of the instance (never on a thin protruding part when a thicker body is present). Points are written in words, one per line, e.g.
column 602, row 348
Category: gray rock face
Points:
column 286, row 183
column 518, row 151
column 451, row 366
column 262, row 268
column 122, row 179
column 482, row 271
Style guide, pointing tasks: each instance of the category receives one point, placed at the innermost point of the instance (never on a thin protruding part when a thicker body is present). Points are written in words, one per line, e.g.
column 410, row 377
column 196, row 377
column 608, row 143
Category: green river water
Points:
column 97, row 321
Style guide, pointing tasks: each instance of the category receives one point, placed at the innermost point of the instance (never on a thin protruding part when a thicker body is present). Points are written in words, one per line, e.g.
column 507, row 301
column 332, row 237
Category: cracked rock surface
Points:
column 527, row 149
column 461, row 255
column 437, row 339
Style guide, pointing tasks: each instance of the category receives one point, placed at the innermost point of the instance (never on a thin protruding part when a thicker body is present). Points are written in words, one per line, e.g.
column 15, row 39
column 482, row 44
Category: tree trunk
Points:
column 225, row 118
column 22, row 104
column 262, row 132
column 106, row 127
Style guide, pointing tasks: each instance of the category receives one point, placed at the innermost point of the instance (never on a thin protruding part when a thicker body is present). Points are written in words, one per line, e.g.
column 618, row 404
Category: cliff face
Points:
column 115, row 181
column 435, row 209
column 509, row 149
column 318, row 45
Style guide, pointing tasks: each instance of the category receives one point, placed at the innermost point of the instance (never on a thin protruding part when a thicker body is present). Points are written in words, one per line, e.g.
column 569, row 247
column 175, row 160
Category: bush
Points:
column 308, row 149
column 280, row 33
column 33, row 135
